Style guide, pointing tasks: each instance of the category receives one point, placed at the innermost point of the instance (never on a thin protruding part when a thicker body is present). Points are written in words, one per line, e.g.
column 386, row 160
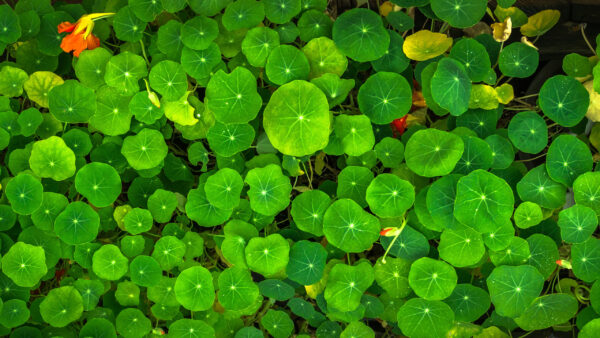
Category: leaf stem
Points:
column 394, row 240
column 587, row 42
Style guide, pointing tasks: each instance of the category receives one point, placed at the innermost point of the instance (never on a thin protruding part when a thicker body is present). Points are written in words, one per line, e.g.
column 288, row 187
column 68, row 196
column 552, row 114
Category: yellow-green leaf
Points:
column 39, row 84
column 180, row 111
column 540, row 22
column 483, row 96
column 505, row 93
column 425, row 45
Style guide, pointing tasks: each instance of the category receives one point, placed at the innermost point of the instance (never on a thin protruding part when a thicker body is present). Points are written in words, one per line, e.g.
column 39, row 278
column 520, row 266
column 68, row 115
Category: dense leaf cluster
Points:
column 244, row 168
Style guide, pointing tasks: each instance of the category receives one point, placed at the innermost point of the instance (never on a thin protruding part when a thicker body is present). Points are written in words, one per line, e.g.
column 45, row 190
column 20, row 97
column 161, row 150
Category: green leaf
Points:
column 269, row 189
column 145, row 150
column 72, row 102
column 564, row 100
column 308, row 210
column 432, row 279
column 286, row 63
column 236, row 289
column 483, row 199
column 61, row 306
column 586, row 260
column 123, row 72
column 468, row 302
column 390, row 196
column 385, row 97
column 78, row 223
column 243, row 14
column 267, row 255
column 12, row 80
column 528, row 132
column 324, row 57
column 25, row 194
column 518, row 60
column 474, row 58
column 198, row 32
column 513, row 288
column 461, row 247
column 392, row 276
column 419, row 317
column 451, row 86
column 99, row 183
column 359, row 33
column 348, row 227
column 168, row 78
column 258, row 43
column 459, row 13
column 536, row 186
column 277, row 323
column 52, row 158
column 297, row 119
column 24, row 264
column 109, row 263
column 346, row 284
column 281, row 11
column 306, row 263
column 528, row 214
column 431, row 152
column 194, row 289
column 586, row 189
column 232, row 97
column 127, row 26
column 547, row 311
column 355, row 132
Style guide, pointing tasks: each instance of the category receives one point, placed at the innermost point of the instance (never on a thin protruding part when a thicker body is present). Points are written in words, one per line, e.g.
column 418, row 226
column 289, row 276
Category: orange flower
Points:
column 81, row 37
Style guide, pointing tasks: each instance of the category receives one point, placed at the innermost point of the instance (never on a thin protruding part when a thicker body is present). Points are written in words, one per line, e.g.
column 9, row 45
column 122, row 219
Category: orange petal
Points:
column 66, row 27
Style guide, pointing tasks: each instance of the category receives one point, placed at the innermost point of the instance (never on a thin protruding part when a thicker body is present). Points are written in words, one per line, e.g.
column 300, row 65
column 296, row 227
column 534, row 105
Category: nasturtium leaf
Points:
column 297, row 119
column 127, row 26
column 348, row 227
column 432, row 279
column 528, row 132
column 346, row 285
column 277, row 323
column 424, row 45
column 112, row 116
column 586, row 259
column 14, row 313
column 185, row 327
column 503, row 153
column 384, row 97
column 459, row 13
column 201, row 211
column 138, row 221
column 451, row 86
column 52, row 158
column 269, row 189
column 586, row 189
column 567, row 158
column 72, row 102
column 513, row 288
column 145, row 271
column 146, row 10
column 518, row 60
column 258, row 43
column 357, row 329
column 223, row 188
column 267, row 255
column 576, row 65
column 29, row 120
column 12, row 80
column 468, row 302
column 306, row 263
column 180, row 110
column 168, row 78
column 109, row 263
column 528, row 214
column 483, row 199
column 236, row 289
column 461, row 247
column 24, row 264
column 99, row 182
column 198, row 32
column 127, row 294
column 91, row 66
column 61, row 306
column 98, row 327
column 359, row 33
column 9, row 21
column 394, row 59
column 308, row 210
column 145, row 150
column 313, row 24
column 123, row 72
column 276, row 289
column 281, row 11
column 324, row 57
column 536, row 186
column 477, row 155
column 390, row 151
column 78, row 223
column 540, row 22
column 473, row 56
column 422, row 318
column 243, row 14
column 232, row 97
column 516, row 253
column 286, row 63
column 25, row 193
column 548, row 310
column 168, row 252
column 390, row 196
column 132, row 246
column 39, row 84
column 131, row 322
column 200, row 63
column 355, row 132
column 431, row 152
column 392, row 276
column 564, row 100
column 484, row 97
column 8, row 217
column 194, row 289
column 543, row 254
